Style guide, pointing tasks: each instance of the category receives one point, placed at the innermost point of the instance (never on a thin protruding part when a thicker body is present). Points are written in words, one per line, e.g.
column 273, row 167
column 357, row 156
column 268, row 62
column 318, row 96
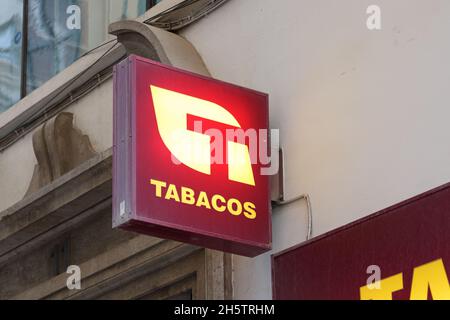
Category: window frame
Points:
column 24, row 62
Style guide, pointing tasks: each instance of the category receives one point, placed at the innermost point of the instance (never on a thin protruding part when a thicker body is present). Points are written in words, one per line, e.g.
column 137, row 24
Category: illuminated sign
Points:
column 401, row 253
column 172, row 109
column 189, row 158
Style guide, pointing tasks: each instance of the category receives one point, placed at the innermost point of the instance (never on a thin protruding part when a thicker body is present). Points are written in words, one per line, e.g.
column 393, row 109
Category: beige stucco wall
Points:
column 363, row 115
column 92, row 115
column 16, row 169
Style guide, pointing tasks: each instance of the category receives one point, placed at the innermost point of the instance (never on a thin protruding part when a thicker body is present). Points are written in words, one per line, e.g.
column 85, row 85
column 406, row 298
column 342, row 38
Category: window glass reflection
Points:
column 10, row 52
column 60, row 31
column 53, row 39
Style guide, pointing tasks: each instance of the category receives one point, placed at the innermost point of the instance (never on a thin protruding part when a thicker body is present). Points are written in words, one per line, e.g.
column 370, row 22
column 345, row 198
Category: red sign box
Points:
column 169, row 180
column 409, row 242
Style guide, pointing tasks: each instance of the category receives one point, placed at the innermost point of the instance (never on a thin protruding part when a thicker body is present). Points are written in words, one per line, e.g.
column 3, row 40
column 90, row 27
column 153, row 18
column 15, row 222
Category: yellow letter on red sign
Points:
column 383, row 289
column 431, row 275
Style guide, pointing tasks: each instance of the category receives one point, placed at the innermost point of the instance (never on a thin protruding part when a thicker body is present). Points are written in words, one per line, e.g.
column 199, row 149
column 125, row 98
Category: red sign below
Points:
column 399, row 253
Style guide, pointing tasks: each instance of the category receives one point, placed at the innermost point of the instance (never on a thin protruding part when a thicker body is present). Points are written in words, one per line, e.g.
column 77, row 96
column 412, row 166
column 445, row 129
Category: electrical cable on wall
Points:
column 181, row 22
column 307, row 198
column 283, row 202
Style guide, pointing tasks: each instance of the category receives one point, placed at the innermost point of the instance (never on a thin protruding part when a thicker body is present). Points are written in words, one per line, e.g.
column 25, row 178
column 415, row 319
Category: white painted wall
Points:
column 363, row 115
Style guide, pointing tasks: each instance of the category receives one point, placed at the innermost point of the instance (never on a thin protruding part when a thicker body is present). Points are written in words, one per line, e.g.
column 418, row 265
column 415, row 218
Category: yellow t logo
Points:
column 193, row 148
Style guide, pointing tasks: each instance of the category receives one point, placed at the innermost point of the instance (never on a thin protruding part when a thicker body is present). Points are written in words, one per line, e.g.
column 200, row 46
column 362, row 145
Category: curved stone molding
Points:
column 159, row 45
column 59, row 147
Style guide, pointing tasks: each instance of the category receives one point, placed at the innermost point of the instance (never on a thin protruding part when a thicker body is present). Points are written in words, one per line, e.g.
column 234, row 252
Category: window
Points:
column 11, row 24
column 57, row 33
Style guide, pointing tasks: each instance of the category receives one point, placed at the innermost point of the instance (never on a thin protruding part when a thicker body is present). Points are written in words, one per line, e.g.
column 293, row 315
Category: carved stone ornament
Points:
column 59, row 147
